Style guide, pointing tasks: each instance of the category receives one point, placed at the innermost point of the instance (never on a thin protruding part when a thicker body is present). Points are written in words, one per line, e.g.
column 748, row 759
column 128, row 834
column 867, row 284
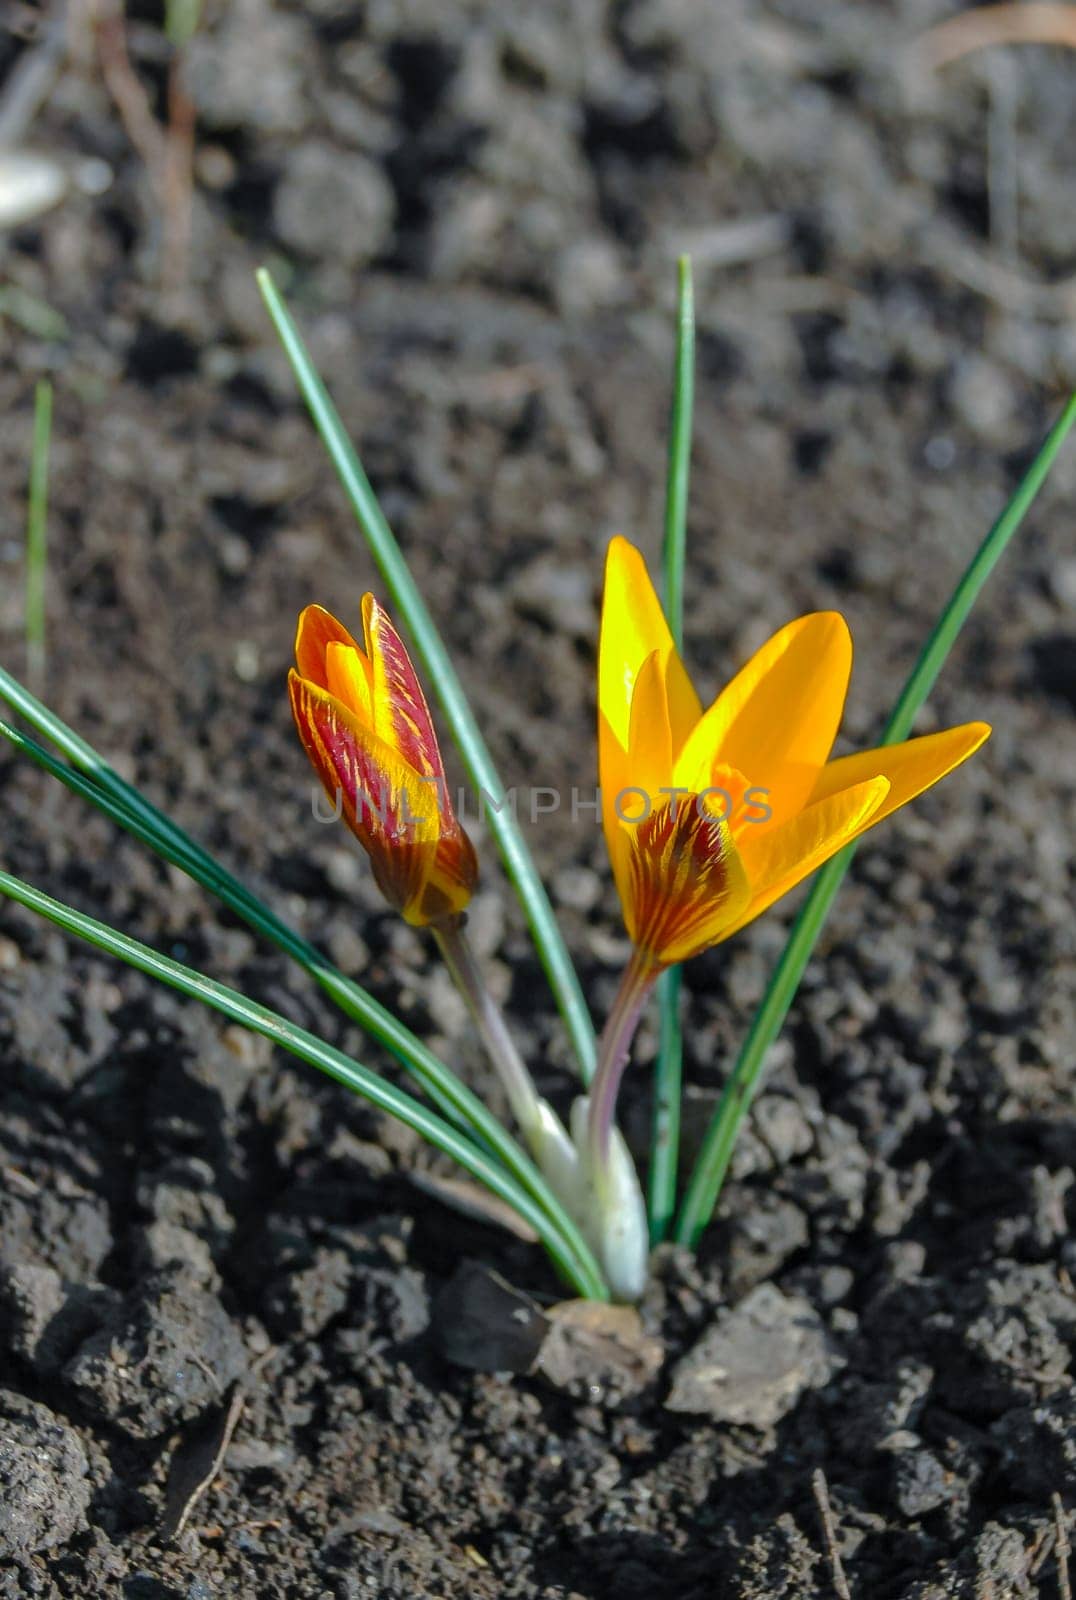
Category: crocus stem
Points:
column 460, row 960
column 613, row 1049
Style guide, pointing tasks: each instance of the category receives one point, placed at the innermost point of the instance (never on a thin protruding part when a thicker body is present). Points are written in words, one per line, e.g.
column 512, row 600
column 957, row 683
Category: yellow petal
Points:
column 633, row 627
column 777, row 720
column 910, row 767
column 777, row 857
column 347, row 678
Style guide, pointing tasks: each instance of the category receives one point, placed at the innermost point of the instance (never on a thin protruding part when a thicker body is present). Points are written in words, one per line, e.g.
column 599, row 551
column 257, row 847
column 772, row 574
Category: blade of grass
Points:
column 36, row 529
column 95, row 781
column 712, row 1165
column 668, row 1071
column 181, row 19
column 441, row 674
column 580, row 1271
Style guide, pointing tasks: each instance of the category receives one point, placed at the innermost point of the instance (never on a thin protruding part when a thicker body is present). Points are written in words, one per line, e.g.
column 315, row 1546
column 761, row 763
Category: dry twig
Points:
column 1025, row 22
column 1063, row 1549
column 829, row 1533
column 167, row 153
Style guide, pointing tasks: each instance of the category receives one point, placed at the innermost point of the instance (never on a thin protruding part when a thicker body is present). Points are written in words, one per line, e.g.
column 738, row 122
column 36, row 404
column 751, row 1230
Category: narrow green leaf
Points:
column 442, row 677
column 674, row 549
column 668, row 1072
column 36, row 523
column 571, row 1257
column 181, row 19
column 716, row 1152
column 95, row 781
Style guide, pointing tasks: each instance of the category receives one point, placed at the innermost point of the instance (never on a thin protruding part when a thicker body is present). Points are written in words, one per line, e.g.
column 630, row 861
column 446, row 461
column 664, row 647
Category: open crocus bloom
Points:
column 710, row 816
column 366, row 727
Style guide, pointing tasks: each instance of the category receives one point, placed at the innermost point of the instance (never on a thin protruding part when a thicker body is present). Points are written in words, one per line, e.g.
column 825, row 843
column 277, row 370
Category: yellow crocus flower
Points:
column 710, row 816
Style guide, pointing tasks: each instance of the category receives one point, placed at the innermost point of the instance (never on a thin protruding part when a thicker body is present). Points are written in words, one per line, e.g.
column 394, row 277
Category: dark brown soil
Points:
column 475, row 210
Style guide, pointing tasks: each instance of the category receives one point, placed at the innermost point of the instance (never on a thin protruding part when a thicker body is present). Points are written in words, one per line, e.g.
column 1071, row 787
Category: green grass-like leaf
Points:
column 668, row 1071
column 712, row 1165
column 577, row 1266
column 94, row 780
column 442, row 678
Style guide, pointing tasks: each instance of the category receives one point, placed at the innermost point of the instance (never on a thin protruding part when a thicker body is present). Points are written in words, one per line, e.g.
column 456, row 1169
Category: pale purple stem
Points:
column 489, row 1020
column 613, row 1050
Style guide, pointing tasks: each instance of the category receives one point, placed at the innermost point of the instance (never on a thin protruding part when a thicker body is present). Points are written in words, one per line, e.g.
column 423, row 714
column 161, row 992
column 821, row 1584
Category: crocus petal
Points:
column 613, row 778
column 680, row 880
column 650, row 737
column 400, row 714
column 390, row 809
column 633, row 627
column 347, row 679
column 910, row 767
column 777, row 720
column 778, row 856
column 316, row 630
column 452, row 876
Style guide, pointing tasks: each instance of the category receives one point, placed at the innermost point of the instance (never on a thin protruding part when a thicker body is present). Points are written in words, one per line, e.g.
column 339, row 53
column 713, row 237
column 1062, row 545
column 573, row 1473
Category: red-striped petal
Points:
column 401, row 715
column 388, row 807
column 683, row 881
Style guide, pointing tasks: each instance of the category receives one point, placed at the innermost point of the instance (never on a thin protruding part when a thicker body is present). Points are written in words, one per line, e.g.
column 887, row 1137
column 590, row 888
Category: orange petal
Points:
column 650, row 737
column 777, row 720
column 316, row 630
column 680, row 879
column 910, row 767
column 391, row 811
column 400, row 714
column 778, row 856
column 613, row 778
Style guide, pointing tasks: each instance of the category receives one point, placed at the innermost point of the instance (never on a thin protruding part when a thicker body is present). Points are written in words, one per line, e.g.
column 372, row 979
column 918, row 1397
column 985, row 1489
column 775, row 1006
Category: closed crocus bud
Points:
column 366, row 727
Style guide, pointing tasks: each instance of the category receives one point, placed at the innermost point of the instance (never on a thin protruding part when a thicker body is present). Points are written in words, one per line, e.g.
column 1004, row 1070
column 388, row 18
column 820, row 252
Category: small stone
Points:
column 558, row 596
column 763, row 1234
column 597, row 1351
column 247, row 72
column 1063, row 582
column 334, row 203
column 481, row 1322
column 782, row 1126
column 920, row 1482
column 246, row 660
column 448, row 1009
column 588, row 277
column 485, row 923
column 164, row 1244
column 983, row 397
column 348, row 949
column 577, row 888
column 44, row 1491
column 344, row 871
column 1039, row 1445
column 43, row 1319
column 753, row 1365
column 304, row 1302
column 166, row 1352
